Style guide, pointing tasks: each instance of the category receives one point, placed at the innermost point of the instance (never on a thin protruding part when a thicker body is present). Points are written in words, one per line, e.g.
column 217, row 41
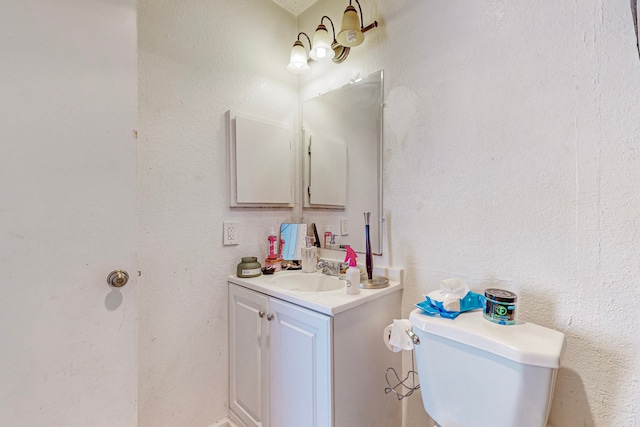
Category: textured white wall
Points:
column 198, row 59
column 512, row 160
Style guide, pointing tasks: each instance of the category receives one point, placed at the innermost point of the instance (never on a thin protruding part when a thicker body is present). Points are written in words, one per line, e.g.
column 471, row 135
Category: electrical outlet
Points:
column 344, row 227
column 229, row 233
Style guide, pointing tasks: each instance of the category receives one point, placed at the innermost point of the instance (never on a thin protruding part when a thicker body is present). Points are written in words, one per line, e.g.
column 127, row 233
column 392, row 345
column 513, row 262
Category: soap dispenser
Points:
column 309, row 257
column 353, row 272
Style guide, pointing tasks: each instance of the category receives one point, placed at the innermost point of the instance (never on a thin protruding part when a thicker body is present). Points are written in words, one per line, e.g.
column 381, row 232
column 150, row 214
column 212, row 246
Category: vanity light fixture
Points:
column 298, row 62
column 352, row 29
column 325, row 49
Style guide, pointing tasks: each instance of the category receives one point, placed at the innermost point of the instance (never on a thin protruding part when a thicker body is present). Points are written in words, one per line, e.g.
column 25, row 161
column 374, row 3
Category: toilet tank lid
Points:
column 523, row 342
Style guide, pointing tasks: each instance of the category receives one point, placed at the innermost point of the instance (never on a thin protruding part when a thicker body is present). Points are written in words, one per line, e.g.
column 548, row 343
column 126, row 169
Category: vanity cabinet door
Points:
column 301, row 366
column 248, row 357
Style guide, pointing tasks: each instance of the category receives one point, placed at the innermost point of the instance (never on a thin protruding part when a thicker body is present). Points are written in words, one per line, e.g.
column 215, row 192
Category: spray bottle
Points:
column 353, row 272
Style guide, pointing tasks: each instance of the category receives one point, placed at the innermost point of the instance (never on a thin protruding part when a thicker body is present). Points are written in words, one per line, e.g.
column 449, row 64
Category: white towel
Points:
column 399, row 339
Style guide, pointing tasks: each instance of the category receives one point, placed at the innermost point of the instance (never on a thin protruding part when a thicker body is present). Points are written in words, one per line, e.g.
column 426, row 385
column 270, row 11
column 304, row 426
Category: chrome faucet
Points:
column 329, row 268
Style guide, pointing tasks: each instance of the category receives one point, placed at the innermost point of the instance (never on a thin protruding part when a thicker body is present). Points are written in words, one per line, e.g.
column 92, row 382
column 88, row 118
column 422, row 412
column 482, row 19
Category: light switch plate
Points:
column 344, row 227
column 230, row 233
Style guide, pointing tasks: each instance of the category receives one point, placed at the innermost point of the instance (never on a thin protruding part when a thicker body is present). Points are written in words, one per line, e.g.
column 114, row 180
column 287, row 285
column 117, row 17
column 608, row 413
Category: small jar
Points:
column 500, row 306
column 275, row 264
column 249, row 267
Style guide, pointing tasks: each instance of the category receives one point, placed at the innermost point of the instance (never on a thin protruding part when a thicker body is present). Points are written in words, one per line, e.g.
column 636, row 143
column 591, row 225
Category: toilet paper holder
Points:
column 414, row 338
column 401, row 384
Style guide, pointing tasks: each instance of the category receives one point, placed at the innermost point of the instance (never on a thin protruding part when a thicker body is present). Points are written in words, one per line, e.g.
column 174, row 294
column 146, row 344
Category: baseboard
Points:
column 224, row 423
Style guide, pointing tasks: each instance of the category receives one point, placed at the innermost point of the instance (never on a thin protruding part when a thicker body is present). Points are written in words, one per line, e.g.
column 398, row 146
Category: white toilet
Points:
column 475, row 373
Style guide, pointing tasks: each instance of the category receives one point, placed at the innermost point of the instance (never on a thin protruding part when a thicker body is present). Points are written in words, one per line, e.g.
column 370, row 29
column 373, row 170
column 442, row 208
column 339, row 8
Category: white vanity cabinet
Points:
column 311, row 361
column 280, row 362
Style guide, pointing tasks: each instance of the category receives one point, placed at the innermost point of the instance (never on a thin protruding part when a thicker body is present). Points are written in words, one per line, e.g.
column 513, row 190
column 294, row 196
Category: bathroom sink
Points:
column 308, row 282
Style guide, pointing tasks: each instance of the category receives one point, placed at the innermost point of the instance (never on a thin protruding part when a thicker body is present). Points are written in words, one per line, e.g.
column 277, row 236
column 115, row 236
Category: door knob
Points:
column 118, row 278
column 270, row 317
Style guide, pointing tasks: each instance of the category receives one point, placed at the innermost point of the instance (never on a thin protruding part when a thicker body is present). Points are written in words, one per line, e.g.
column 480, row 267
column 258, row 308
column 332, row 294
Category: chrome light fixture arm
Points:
column 308, row 39
column 333, row 28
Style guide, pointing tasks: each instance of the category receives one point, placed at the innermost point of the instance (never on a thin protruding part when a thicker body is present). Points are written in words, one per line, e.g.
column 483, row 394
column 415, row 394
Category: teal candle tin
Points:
column 500, row 306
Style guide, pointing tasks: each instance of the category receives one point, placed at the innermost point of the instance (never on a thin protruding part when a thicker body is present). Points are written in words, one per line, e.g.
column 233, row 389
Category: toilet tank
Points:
column 475, row 373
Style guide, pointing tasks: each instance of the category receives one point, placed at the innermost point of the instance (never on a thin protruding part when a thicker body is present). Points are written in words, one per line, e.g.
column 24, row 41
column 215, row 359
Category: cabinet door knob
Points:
column 270, row 317
column 261, row 314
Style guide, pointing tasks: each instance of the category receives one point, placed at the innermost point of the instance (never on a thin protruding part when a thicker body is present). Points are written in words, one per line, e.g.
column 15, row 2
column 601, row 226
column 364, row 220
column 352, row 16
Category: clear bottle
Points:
column 333, row 244
column 353, row 272
column 309, row 257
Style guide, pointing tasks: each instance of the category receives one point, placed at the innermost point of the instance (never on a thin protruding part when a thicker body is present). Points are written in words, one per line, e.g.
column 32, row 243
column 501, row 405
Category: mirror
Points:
column 292, row 240
column 342, row 150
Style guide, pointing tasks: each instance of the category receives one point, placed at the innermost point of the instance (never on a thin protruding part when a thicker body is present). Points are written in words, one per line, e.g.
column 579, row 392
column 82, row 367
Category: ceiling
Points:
column 296, row 7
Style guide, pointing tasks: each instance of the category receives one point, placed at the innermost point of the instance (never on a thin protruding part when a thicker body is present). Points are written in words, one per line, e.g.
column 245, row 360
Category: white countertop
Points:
column 328, row 302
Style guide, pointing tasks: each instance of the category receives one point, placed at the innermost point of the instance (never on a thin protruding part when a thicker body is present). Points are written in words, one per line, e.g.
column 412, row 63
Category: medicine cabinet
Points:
column 260, row 162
